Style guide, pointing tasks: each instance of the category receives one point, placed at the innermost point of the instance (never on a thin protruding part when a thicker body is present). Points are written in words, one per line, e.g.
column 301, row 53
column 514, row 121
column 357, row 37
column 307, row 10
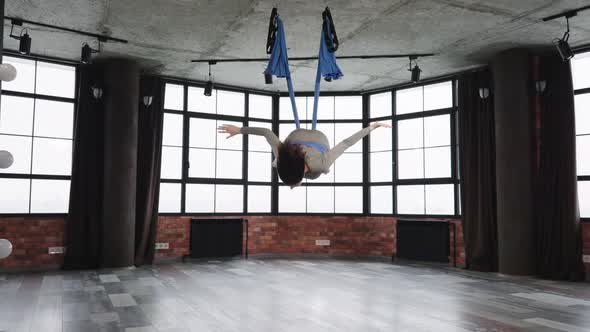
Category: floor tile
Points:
column 141, row 329
column 108, row 278
column 132, row 317
column 104, row 317
column 76, row 312
column 89, row 326
column 122, row 300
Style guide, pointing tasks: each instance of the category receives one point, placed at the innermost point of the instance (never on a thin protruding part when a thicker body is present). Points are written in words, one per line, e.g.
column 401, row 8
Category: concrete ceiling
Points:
column 165, row 35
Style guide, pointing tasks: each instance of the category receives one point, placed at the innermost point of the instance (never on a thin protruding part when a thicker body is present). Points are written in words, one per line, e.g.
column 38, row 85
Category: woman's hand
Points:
column 228, row 129
column 381, row 124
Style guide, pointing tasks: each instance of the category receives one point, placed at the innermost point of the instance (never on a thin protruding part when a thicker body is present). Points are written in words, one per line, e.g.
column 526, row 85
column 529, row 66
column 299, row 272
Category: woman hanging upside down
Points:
column 305, row 153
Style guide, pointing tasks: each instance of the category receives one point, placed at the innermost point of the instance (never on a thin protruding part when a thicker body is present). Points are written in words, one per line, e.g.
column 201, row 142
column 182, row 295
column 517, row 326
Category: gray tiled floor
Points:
column 289, row 295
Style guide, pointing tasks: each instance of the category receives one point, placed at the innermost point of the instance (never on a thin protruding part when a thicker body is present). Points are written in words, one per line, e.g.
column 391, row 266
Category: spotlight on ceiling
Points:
column 208, row 89
column 562, row 45
column 25, row 44
column 564, row 49
column 209, row 86
column 416, row 74
column 87, row 51
column 86, row 54
column 415, row 78
column 267, row 78
column 24, row 39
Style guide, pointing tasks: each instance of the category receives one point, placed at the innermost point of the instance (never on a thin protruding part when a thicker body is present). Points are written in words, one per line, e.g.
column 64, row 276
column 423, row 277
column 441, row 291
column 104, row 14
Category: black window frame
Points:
column 53, row 60
column 583, row 91
column 454, row 179
column 334, row 184
column 275, row 122
column 187, row 116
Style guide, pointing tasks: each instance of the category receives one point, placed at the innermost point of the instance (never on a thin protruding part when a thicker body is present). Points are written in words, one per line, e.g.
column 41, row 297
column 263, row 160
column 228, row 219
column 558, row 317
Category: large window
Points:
column 36, row 127
column 202, row 171
column 406, row 170
column 205, row 173
column 581, row 78
column 341, row 190
column 412, row 166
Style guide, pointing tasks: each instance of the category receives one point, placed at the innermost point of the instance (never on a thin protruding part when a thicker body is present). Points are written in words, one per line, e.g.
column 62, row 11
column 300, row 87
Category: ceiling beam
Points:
column 566, row 14
column 102, row 38
column 343, row 57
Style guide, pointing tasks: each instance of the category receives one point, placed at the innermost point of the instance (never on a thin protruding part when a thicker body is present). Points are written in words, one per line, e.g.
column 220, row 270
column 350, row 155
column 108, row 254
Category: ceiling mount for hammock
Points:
column 330, row 31
column 278, row 65
column 272, row 31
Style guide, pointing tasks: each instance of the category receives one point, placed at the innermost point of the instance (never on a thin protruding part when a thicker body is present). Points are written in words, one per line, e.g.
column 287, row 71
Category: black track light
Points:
column 267, row 78
column 25, row 40
column 86, row 53
column 209, row 86
column 25, row 44
column 208, row 89
column 564, row 49
column 416, row 74
column 415, row 78
column 562, row 45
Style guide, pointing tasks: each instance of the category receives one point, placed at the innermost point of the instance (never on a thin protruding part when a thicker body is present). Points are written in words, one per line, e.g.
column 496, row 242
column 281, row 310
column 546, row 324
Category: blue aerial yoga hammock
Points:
column 327, row 66
column 278, row 64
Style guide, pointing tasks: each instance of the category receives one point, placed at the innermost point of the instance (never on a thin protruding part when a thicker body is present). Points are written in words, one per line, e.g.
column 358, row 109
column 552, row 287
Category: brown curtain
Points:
column 83, row 235
column 559, row 241
column 478, row 171
column 149, row 155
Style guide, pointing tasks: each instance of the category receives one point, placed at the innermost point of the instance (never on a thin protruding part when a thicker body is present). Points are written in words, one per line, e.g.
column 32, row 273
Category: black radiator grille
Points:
column 216, row 238
column 423, row 240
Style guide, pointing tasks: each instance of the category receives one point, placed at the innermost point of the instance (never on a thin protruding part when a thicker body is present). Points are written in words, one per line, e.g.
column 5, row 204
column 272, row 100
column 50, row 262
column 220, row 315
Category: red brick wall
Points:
column 31, row 238
column 371, row 236
column 176, row 232
column 363, row 236
column 459, row 243
column 348, row 236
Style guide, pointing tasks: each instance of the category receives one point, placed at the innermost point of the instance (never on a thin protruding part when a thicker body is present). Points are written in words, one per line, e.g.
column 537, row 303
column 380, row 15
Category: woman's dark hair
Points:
column 291, row 163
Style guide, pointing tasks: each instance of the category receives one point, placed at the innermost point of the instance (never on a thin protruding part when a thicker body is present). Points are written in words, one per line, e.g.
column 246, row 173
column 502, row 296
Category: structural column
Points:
column 514, row 160
column 121, row 96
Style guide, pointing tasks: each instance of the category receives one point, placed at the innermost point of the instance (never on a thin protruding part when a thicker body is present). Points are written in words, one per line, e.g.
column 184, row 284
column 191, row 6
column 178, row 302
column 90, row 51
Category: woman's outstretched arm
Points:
column 271, row 138
column 339, row 149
